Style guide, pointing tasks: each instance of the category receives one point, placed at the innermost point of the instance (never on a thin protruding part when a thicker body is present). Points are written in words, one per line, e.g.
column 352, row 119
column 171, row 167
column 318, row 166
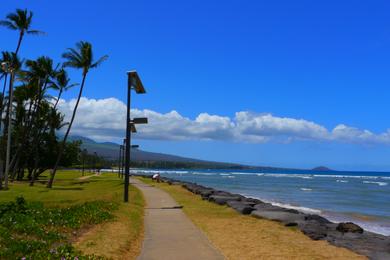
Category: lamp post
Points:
column 133, row 82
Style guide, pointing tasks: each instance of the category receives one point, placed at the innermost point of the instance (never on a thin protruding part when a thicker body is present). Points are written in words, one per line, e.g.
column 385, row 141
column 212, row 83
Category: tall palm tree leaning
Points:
column 20, row 21
column 79, row 58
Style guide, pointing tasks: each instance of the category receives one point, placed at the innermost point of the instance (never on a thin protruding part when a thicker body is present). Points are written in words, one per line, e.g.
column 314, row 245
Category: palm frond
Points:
column 36, row 32
column 96, row 64
column 8, row 24
column 71, row 86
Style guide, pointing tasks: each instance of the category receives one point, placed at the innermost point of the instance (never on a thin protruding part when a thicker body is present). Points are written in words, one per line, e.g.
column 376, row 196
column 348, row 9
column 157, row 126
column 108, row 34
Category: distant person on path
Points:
column 156, row 177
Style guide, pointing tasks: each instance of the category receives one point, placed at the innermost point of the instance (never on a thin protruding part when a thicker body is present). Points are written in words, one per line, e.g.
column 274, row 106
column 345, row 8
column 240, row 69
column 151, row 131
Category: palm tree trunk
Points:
column 62, row 147
column 8, row 154
column 58, row 98
column 2, row 99
column 1, row 121
column 19, row 42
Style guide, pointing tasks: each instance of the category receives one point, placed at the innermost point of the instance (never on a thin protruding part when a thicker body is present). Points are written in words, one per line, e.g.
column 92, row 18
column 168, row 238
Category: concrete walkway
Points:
column 169, row 234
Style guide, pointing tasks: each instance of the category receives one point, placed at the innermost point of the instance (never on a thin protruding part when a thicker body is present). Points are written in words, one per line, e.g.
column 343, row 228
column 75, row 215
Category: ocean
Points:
column 360, row 197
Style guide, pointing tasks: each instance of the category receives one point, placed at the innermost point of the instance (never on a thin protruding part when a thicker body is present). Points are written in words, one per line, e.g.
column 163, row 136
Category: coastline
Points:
column 347, row 235
column 339, row 198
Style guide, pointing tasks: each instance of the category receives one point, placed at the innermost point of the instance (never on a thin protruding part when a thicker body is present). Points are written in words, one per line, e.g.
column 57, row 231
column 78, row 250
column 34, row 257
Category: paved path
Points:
column 169, row 234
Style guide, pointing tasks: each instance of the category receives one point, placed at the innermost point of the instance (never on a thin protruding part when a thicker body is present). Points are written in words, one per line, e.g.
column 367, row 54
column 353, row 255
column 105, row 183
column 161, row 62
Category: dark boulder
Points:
column 280, row 216
column 254, row 201
column 222, row 200
column 345, row 227
column 241, row 207
column 315, row 230
column 317, row 218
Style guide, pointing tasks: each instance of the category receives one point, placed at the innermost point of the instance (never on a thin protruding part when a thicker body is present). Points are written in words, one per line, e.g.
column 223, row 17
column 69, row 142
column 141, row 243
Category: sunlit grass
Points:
column 69, row 190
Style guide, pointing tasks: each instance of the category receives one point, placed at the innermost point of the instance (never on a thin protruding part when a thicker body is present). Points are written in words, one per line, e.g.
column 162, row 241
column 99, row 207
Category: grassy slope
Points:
column 127, row 228
column 244, row 237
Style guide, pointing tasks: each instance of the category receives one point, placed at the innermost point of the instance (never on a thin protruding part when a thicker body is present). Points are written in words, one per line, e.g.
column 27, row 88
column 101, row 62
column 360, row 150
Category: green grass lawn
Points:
column 71, row 219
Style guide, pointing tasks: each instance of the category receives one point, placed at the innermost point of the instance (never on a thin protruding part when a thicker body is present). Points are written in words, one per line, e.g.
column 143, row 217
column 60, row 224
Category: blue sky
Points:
column 325, row 62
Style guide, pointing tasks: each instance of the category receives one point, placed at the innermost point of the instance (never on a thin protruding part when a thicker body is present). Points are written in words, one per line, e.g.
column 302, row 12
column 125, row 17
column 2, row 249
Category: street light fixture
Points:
column 133, row 82
column 136, row 121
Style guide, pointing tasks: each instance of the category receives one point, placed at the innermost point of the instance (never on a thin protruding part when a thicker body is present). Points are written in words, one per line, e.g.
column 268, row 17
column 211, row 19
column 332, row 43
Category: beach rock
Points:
column 222, row 200
column 242, row 207
column 349, row 227
column 254, row 201
column 317, row 218
column 280, row 216
column 315, row 230
column 206, row 193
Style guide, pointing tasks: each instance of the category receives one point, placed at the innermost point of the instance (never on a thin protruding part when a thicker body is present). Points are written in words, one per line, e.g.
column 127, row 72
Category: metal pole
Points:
column 8, row 155
column 120, row 161
column 127, row 149
column 123, row 157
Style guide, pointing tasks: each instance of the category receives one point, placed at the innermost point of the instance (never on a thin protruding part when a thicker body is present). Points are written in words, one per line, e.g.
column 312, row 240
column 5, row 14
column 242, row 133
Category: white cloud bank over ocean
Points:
column 104, row 120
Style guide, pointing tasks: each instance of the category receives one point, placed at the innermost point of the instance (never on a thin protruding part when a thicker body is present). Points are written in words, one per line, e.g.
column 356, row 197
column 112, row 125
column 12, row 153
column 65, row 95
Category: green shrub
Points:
column 32, row 231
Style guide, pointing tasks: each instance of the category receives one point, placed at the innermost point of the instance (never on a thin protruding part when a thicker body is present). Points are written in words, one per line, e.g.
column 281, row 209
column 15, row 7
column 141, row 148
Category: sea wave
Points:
column 203, row 173
column 347, row 176
column 299, row 208
column 287, row 175
column 380, row 183
column 344, row 181
column 306, row 189
column 157, row 171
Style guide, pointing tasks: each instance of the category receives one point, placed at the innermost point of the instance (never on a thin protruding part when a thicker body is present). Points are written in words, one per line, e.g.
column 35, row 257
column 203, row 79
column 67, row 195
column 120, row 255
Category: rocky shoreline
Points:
column 348, row 234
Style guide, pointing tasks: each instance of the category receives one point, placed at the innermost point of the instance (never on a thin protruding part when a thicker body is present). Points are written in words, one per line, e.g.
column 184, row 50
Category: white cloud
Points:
column 104, row 120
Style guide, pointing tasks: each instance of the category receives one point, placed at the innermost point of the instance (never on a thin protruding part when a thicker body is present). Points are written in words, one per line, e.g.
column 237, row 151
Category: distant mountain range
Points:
column 110, row 151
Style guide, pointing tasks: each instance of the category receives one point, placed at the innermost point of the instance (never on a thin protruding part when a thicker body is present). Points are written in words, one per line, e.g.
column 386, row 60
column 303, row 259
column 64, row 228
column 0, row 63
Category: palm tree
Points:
column 20, row 21
column 6, row 58
column 62, row 84
column 13, row 67
column 79, row 58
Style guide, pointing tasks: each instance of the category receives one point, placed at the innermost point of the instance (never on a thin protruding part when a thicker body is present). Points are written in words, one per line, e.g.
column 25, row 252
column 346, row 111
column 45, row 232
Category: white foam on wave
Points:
column 242, row 173
column 157, row 171
column 289, row 175
column 260, row 174
column 380, row 183
column 203, row 173
column 306, row 189
column 376, row 227
column 299, row 208
column 347, row 176
column 229, row 176
column 224, row 174
column 344, row 181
